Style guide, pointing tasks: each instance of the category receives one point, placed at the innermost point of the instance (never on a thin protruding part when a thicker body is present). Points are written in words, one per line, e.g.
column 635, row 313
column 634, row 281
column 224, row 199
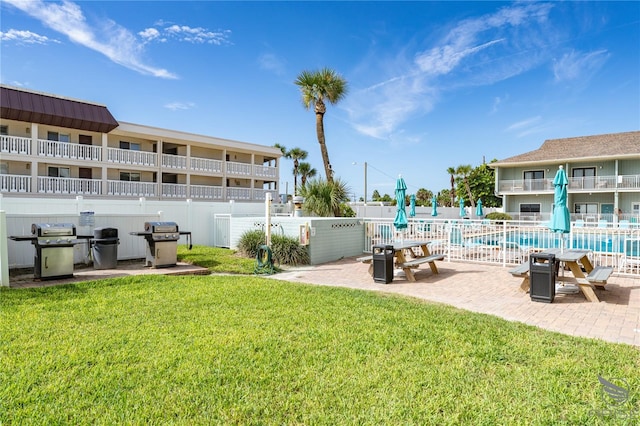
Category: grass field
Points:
column 250, row 350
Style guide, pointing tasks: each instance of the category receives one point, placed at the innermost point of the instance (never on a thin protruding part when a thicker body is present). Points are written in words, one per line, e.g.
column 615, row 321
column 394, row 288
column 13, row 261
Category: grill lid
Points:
column 53, row 229
column 160, row 227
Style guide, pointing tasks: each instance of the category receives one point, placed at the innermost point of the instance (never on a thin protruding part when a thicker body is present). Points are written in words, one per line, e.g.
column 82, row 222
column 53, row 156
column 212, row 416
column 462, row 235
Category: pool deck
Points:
column 493, row 290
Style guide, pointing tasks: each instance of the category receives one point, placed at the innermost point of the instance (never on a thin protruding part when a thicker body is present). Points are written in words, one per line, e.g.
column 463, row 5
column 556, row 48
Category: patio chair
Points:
column 603, row 223
column 630, row 259
column 624, row 224
column 579, row 223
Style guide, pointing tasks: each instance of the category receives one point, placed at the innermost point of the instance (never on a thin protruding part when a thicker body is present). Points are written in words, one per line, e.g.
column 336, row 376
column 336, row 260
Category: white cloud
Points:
column 197, row 35
column 174, row 106
column 149, row 34
column 271, row 62
column 107, row 38
column 575, row 65
column 25, row 37
column 476, row 51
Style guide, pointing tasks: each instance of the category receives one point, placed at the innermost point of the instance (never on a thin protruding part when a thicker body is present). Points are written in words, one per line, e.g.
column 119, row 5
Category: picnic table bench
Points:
column 369, row 260
column 522, row 271
column 407, row 263
column 415, row 262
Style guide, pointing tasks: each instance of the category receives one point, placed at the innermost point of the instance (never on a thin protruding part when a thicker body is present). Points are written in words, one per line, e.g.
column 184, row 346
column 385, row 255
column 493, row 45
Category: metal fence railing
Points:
column 511, row 242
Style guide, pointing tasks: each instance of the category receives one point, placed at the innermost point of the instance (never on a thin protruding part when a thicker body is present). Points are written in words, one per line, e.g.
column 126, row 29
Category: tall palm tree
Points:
column 463, row 173
column 452, row 173
column 316, row 88
column 306, row 172
column 296, row 154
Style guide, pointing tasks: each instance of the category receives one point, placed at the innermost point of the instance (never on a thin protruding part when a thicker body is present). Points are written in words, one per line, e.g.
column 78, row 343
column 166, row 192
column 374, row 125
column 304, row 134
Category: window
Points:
column 4, row 168
column 534, row 174
column 130, row 145
column 534, row 179
column 62, row 172
column 585, row 177
column 529, row 208
column 130, row 176
column 85, row 139
column 4, row 130
column 635, row 208
column 60, row 137
column 585, row 208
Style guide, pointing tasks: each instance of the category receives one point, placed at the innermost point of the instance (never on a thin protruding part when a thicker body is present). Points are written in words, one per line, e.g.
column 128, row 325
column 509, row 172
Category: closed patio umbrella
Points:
column 434, row 207
column 462, row 212
column 479, row 211
column 560, row 219
column 412, row 205
column 400, row 221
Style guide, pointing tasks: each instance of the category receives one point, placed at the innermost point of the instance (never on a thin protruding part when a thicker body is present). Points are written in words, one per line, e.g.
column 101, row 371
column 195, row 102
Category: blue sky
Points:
column 431, row 84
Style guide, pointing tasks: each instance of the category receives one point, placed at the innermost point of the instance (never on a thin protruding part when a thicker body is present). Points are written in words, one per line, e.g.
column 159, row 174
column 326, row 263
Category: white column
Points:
column 104, row 175
column 4, row 252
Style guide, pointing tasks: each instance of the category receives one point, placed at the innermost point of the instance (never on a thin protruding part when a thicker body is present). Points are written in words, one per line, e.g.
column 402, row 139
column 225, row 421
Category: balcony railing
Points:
column 265, row 171
column 174, row 161
column 206, row 165
column 136, row 158
column 58, row 185
column 207, row 192
column 239, row 169
column 131, row 189
column 174, row 190
column 15, row 183
column 260, row 194
column 239, row 193
column 69, row 150
column 590, row 184
column 15, row 145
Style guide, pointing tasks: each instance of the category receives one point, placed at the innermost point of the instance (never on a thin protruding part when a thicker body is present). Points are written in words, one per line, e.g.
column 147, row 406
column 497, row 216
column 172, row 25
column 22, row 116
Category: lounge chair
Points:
column 630, row 259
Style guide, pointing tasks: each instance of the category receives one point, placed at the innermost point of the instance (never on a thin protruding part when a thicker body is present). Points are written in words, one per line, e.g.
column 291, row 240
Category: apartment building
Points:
column 603, row 172
column 51, row 145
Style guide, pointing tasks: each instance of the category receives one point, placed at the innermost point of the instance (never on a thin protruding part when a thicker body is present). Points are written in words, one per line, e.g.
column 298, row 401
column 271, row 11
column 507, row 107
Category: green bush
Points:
column 498, row 216
column 288, row 251
column 284, row 250
column 346, row 210
column 250, row 241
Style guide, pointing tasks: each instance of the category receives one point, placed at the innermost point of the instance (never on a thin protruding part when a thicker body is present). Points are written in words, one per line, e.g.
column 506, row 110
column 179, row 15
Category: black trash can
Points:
column 383, row 264
column 105, row 248
column 542, row 276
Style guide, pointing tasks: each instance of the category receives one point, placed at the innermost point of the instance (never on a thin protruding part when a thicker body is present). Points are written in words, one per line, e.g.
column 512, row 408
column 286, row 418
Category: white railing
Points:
column 260, row 194
column 234, row 168
column 174, row 190
column 592, row 184
column 127, row 156
column 70, row 150
column 239, row 193
column 511, row 242
column 15, row 145
column 129, row 189
column 207, row 192
column 58, row 185
column 174, row 161
column 265, row 171
column 15, row 183
column 206, row 165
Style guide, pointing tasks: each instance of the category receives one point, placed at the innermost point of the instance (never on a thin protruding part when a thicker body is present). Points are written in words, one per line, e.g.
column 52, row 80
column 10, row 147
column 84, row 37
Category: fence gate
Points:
column 222, row 230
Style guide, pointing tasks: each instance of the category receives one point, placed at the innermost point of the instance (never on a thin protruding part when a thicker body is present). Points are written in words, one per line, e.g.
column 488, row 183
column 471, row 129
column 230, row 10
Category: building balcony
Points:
column 60, row 185
column 126, row 188
column 73, row 151
column 206, row 192
column 174, row 190
column 206, row 165
column 239, row 169
column 265, row 172
column 582, row 184
column 131, row 157
column 170, row 161
column 15, row 145
column 15, row 183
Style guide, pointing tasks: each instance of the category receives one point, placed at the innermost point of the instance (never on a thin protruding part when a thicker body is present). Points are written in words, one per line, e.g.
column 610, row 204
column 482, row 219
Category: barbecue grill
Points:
column 54, row 249
column 162, row 243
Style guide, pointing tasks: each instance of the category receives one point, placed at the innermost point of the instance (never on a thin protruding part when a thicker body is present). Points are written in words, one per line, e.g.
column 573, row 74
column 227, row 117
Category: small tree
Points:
column 324, row 198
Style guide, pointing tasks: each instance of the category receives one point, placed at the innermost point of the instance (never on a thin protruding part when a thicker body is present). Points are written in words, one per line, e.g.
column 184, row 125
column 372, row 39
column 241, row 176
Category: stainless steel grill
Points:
column 54, row 249
column 162, row 243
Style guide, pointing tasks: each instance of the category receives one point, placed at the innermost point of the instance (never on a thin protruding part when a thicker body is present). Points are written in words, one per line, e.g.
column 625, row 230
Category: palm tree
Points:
column 452, row 173
column 322, row 197
column 296, row 154
column 316, row 88
column 306, row 172
column 463, row 173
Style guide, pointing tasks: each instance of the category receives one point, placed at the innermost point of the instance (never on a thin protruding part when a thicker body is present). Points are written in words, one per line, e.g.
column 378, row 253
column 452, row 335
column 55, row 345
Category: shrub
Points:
column 288, row 251
column 498, row 216
column 346, row 211
column 250, row 241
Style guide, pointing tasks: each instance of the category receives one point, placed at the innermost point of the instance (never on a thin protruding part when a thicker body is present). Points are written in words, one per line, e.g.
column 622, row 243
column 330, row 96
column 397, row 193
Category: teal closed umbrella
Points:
column 412, row 205
column 400, row 221
column 462, row 212
column 560, row 219
column 479, row 211
column 434, row 207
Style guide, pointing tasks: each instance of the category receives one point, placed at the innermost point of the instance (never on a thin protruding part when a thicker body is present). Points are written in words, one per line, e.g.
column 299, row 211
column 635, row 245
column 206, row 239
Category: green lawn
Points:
column 251, row 350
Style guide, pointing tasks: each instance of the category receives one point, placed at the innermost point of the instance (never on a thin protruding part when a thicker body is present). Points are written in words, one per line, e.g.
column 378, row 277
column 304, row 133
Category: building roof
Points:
column 24, row 105
column 582, row 148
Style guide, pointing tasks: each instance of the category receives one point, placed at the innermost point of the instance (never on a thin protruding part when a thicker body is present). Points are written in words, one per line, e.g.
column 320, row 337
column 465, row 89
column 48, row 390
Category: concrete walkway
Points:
column 492, row 290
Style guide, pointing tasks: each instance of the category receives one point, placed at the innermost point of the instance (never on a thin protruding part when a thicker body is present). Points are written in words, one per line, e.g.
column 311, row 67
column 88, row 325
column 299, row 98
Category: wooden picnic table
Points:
column 409, row 255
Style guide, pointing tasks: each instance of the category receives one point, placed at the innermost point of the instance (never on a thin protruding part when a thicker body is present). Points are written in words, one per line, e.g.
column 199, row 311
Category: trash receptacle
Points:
column 383, row 264
column 542, row 276
column 105, row 248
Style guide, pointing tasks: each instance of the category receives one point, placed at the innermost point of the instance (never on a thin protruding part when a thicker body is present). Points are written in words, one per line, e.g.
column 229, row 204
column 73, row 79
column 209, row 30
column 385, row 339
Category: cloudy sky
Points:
column 431, row 84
